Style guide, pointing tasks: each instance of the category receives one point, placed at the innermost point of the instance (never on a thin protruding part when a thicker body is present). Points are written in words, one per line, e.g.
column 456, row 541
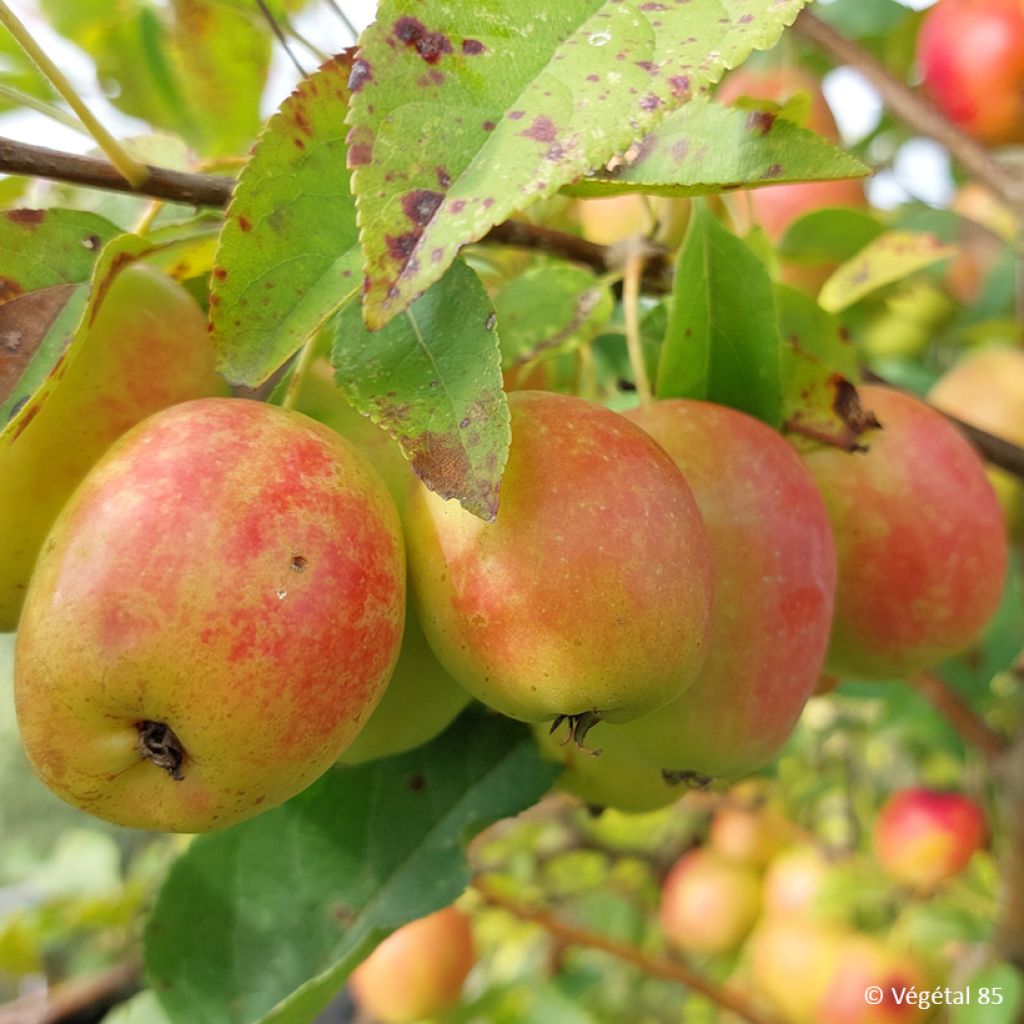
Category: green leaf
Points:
column 829, row 235
column 464, row 113
column 265, row 920
column 48, row 257
column 722, row 342
column 997, row 997
column 705, row 147
column 554, row 307
column 818, row 364
column 289, row 254
column 892, row 256
column 432, row 379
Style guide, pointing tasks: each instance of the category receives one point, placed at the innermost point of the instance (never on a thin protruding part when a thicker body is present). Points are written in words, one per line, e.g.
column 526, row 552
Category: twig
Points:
column 959, row 714
column 345, row 20
column 77, row 1000
column 658, row 967
column 911, row 106
column 131, row 169
column 175, row 186
column 280, row 36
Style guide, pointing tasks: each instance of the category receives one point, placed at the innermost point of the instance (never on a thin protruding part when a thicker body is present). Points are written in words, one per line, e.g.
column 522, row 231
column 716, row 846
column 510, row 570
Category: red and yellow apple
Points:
column 920, row 538
column 417, row 971
column 923, row 836
column 590, row 594
column 212, row 619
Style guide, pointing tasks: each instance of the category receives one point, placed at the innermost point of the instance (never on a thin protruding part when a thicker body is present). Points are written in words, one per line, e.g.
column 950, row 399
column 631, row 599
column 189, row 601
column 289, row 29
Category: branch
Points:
column 78, row 1000
column 658, row 967
column 174, row 186
column 974, row 729
column 1009, row 938
column 911, row 107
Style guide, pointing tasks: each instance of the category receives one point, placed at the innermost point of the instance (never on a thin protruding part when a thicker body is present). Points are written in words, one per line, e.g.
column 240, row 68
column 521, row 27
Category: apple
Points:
column 986, row 389
column 708, row 903
column 417, row 971
column 971, row 54
column 775, row 578
column 601, row 779
column 590, row 595
column 794, row 880
column 748, row 835
column 611, row 219
column 147, row 349
column 924, row 836
column 920, row 538
column 212, row 619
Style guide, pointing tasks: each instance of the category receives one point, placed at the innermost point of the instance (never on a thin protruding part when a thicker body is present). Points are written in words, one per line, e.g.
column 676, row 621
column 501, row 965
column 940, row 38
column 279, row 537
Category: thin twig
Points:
column 974, row 729
column 656, row 966
column 131, row 169
column 346, row 21
column 1009, row 938
column 911, row 107
column 632, row 273
column 281, row 38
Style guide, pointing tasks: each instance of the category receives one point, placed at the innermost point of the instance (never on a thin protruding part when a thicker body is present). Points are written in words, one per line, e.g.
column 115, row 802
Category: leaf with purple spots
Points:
column 432, row 379
column 490, row 106
column 705, row 147
column 722, row 341
column 289, row 255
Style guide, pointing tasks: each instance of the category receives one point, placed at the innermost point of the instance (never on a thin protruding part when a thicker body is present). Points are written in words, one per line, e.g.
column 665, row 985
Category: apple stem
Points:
column 579, row 726
column 133, row 171
column 307, row 356
column 633, row 271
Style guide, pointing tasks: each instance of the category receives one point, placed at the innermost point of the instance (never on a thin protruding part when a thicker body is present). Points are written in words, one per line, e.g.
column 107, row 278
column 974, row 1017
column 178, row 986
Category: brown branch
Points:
column 975, row 730
column 174, row 186
column 78, row 1000
column 911, row 107
column 658, row 967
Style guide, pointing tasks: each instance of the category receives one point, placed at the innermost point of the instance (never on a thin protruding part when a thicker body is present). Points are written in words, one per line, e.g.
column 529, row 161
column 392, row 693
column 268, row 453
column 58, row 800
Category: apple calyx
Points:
column 690, row 779
column 158, row 743
column 579, row 725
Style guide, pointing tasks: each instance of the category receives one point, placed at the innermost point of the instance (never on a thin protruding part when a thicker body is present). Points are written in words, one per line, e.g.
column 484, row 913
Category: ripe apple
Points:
column 417, row 971
column 794, row 880
column 924, row 836
column 613, row 219
column 603, row 779
column 212, row 618
column 920, row 537
column 986, row 389
column 590, row 594
column 748, row 835
column 971, row 54
column 708, row 903
column 147, row 349
column 775, row 577
column 792, row 962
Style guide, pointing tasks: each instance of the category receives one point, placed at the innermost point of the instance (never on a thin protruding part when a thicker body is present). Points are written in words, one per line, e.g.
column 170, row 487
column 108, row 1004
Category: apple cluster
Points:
column 219, row 613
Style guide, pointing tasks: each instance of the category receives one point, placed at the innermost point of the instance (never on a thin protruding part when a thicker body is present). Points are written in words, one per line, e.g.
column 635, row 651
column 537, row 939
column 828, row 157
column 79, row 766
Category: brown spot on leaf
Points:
column 488, row 126
column 542, row 129
column 472, row 47
column 444, row 179
column 9, row 289
column 775, row 171
column 220, row 273
column 417, row 783
column 359, row 156
column 431, row 46
column 401, row 246
column 362, row 72
column 760, row 121
column 421, row 205
column 244, row 224
column 30, row 217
